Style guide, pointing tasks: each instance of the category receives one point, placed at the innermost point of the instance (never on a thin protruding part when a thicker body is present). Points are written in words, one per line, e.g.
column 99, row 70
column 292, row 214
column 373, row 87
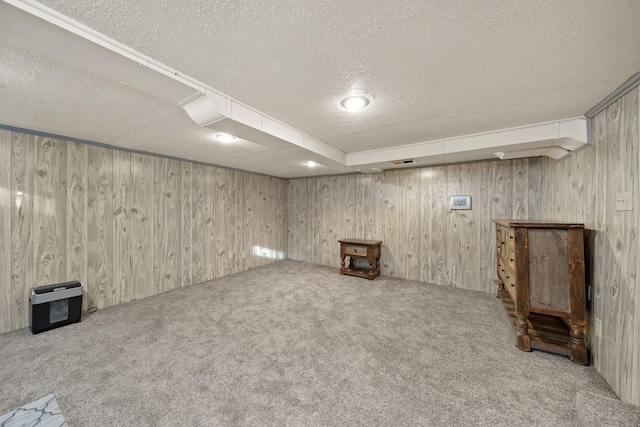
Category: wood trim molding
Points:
column 614, row 96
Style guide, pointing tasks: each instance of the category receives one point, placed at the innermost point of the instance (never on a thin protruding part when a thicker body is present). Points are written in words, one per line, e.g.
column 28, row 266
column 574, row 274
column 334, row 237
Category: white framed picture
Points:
column 460, row 202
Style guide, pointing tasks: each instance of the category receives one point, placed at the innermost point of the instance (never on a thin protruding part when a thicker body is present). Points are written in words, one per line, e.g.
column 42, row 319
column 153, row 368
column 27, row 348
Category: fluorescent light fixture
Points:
column 355, row 102
column 311, row 164
column 225, row 137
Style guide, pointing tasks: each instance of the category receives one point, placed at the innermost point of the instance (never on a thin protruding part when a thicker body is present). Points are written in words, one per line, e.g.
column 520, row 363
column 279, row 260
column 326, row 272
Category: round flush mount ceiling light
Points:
column 311, row 164
column 225, row 137
column 355, row 103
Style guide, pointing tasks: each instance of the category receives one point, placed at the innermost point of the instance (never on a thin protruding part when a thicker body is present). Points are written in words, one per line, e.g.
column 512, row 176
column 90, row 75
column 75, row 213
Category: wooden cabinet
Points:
column 542, row 286
column 368, row 250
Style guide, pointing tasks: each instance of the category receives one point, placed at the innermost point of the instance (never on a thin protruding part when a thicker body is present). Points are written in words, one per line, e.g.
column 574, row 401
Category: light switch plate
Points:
column 414, row 262
column 244, row 254
column 624, row 201
column 597, row 325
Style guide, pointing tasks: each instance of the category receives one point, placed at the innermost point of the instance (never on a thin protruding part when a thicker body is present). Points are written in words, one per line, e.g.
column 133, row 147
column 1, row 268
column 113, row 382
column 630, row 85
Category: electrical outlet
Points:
column 624, row 201
column 597, row 325
column 244, row 254
column 414, row 262
column 230, row 255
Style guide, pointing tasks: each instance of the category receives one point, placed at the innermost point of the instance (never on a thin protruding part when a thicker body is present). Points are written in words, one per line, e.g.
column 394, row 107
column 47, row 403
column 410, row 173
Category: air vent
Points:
column 403, row 162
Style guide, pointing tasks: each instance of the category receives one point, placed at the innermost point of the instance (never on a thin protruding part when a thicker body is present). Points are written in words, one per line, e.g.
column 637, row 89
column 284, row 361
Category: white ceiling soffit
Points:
column 555, row 139
column 69, row 41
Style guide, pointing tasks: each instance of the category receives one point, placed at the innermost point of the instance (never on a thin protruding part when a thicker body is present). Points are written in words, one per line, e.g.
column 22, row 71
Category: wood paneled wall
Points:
column 409, row 210
column 583, row 188
column 126, row 225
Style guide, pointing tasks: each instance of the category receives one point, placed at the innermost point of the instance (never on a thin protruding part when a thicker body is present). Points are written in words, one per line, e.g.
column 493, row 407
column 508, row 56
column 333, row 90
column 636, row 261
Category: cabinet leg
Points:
column 342, row 266
column 523, row 340
column 370, row 276
column 578, row 350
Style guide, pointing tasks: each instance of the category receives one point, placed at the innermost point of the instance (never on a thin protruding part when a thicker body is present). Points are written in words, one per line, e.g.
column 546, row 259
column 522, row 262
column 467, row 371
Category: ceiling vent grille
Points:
column 403, row 162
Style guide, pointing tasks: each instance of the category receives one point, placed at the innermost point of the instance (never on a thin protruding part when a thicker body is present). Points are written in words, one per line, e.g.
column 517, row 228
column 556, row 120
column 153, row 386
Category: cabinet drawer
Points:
column 511, row 257
column 510, row 284
column 355, row 250
column 501, row 270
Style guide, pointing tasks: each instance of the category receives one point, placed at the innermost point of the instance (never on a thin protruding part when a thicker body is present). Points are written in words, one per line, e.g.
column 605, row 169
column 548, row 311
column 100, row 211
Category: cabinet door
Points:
column 548, row 271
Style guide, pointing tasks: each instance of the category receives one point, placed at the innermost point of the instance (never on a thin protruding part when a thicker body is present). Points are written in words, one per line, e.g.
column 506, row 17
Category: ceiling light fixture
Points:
column 355, row 102
column 225, row 137
column 311, row 164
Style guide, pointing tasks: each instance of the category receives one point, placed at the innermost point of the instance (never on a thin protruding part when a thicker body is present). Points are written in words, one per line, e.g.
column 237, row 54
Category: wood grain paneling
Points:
column 248, row 220
column 210, row 221
column 391, row 190
column 221, row 216
column 315, row 236
column 260, row 248
column 237, row 221
column 121, row 227
column 336, row 224
column 100, row 278
column 126, row 225
column 412, row 207
column 520, row 189
column 469, row 240
column 22, row 225
column 172, row 230
column 486, row 249
column 49, row 204
column 159, row 183
column 293, row 236
column 230, row 216
column 583, row 188
column 452, row 255
column 439, row 242
column 359, row 218
column 186, row 229
column 199, row 224
column 322, row 230
column 349, row 195
column 76, row 213
column 627, row 231
column 278, row 214
column 534, row 188
column 426, row 236
column 402, row 216
column 142, row 249
column 281, row 219
column 6, row 200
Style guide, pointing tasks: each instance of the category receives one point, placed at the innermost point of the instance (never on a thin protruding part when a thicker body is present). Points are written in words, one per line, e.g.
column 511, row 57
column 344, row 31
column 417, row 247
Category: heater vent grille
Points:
column 403, row 162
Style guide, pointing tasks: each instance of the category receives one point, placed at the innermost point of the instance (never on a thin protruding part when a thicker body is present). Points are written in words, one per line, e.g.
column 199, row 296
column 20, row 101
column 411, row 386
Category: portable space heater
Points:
column 52, row 306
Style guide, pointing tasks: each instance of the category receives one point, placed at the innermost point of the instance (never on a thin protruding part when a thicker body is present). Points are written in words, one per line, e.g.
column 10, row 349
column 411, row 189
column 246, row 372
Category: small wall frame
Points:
column 460, row 202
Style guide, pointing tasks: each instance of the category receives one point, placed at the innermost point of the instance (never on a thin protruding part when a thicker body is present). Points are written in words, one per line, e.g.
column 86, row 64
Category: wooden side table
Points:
column 369, row 250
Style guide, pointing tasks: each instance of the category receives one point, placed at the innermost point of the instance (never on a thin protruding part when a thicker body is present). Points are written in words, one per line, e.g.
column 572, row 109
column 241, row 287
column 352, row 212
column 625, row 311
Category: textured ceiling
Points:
column 435, row 69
